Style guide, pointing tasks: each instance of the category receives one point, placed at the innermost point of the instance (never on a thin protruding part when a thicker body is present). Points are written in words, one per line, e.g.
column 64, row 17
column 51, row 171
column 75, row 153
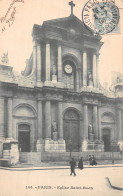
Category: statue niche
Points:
column 54, row 131
column 90, row 132
column 90, row 79
column 54, row 74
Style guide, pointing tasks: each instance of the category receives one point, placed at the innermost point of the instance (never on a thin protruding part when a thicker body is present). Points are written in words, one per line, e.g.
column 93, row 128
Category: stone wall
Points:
column 66, row 156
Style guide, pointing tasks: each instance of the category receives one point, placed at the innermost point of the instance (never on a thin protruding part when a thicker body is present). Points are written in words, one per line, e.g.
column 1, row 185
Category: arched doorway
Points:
column 106, row 139
column 71, row 127
column 24, row 137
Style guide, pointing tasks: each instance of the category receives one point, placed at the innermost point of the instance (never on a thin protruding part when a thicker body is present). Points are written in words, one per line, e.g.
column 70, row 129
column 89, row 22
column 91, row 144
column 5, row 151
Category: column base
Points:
column 10, row 151
column 120, row 144
column 48, row 83
column 2, row 140
column 90, row 89
column 54, row 79
column 88, row 145
column 40, row 145
column 54, row 83
column 39, row 84
column 57, row 84
column 55, row 146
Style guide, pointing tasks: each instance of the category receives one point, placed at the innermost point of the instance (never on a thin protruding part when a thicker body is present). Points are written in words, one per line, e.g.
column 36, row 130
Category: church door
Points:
column 106, row 139
column 71, row 131
column 24, row 138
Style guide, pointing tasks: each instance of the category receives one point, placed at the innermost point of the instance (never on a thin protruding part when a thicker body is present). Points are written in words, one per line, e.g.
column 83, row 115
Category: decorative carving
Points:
column 90, row 79
column 54, row 126
column 54, row 70
column 71, row 115
column 54, row 131
column 90, row 131
column 4, row 58
column 90, row 128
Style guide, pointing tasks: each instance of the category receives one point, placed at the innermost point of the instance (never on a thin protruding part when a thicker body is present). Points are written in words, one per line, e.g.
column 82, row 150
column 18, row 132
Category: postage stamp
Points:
column 101, row 16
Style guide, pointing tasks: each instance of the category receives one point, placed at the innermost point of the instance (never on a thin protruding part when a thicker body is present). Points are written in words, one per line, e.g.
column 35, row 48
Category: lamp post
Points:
column 70, row 147
column 113, row 144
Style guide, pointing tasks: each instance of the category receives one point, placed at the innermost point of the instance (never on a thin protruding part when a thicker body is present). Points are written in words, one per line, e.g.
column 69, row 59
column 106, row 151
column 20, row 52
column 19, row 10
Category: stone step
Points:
column 30, row 157
column 5, row 162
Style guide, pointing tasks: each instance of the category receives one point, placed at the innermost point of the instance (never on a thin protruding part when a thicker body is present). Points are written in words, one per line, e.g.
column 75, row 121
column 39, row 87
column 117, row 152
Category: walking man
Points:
column 72, row 166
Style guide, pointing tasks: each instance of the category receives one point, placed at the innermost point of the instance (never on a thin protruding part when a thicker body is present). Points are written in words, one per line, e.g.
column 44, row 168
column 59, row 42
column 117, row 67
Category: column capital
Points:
column 38, row 44
column 84, row 50
column 10, row 98
column 34, row 42
column 46, row 41
column 59, row 43
column 40, row 99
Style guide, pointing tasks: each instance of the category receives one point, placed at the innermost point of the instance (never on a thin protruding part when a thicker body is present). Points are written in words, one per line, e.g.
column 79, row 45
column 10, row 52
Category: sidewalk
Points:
column 60, row 165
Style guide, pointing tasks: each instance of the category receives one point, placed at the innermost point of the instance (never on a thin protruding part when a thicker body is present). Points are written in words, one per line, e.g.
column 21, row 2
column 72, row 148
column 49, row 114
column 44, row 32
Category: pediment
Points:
column 71, row 23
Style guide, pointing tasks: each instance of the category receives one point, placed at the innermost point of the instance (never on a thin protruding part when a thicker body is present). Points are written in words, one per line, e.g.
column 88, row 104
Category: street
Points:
column 89, row 181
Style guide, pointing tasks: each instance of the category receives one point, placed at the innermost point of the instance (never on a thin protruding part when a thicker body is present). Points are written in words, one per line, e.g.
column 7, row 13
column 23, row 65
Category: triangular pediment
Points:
column 70, row 23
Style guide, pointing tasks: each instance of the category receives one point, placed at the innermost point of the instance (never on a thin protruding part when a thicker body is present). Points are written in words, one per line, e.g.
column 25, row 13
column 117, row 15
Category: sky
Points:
column 17, row 39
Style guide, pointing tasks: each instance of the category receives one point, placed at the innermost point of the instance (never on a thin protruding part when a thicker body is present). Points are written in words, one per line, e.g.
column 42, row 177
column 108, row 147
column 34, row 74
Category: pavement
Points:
column 61, row 165
column 89, row 182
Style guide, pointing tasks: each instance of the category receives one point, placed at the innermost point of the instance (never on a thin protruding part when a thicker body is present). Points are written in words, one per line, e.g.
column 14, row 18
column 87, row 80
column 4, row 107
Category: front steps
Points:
column 37, row 157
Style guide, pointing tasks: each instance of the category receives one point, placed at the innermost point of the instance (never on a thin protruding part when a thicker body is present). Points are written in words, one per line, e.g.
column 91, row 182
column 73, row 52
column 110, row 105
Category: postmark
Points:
column 101, row 16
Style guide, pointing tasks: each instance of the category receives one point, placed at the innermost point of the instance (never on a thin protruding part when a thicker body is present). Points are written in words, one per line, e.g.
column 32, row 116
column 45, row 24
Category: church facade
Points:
column 58, row 104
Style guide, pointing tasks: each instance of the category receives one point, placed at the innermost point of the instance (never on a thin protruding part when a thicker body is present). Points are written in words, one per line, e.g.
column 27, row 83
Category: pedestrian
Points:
column 80, row 164
column 93, row 162
column 72, row 166
column 90, row 159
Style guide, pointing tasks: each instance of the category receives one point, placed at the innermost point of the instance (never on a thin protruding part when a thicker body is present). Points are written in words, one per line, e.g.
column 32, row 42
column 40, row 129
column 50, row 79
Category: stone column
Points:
column 9, row 112
column 85, row 121
column 122, row 123
column 80, row 77
column 99, row 123
column 40, row 142
column 119, row 128
column 39, row 119
column 34, row 57
column 95, row 70
column 84, row 68
column 38, row 62
column 60, row 120
column 2, row 110
column 48, row 61
column 59, row 63
column 95, row 121
column 48, row 120
column 77, row 79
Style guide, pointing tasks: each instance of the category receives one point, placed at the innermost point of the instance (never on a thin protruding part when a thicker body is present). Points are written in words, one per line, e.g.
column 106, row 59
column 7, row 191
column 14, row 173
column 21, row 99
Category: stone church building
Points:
column 57, row 104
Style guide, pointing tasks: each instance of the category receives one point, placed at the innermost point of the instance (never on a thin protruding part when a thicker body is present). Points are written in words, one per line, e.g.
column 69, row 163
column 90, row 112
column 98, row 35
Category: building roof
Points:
column 64, row 24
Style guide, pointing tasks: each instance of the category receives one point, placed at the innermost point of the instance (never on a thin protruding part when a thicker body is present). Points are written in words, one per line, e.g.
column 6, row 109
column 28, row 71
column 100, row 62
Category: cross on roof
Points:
column 72, row 5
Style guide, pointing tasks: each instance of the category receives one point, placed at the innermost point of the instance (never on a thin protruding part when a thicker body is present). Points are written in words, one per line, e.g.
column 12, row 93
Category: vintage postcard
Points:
column 61, row 97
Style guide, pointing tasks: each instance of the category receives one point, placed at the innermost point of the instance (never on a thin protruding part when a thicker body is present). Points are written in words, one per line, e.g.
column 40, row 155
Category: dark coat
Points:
column 72, row 164
column 80, row 164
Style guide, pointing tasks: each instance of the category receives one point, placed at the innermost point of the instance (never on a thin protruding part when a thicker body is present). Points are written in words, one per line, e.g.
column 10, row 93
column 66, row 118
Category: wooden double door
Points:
column 106, row 139
column 24, row 137
column 71, row 131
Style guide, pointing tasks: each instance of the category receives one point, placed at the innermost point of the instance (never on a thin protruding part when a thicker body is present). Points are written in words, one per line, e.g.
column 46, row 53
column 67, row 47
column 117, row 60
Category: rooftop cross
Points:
column 72, row 5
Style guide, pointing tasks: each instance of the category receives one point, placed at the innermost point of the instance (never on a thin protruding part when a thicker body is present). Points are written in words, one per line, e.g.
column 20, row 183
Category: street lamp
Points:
column 113, row 145
column 70, row 147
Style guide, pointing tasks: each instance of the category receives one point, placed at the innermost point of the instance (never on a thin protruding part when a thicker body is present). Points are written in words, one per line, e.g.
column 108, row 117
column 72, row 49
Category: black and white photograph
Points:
column 61, row 97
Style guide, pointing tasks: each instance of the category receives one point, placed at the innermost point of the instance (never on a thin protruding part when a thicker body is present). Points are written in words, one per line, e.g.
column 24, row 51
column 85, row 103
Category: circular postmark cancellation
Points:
column 102, row 16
